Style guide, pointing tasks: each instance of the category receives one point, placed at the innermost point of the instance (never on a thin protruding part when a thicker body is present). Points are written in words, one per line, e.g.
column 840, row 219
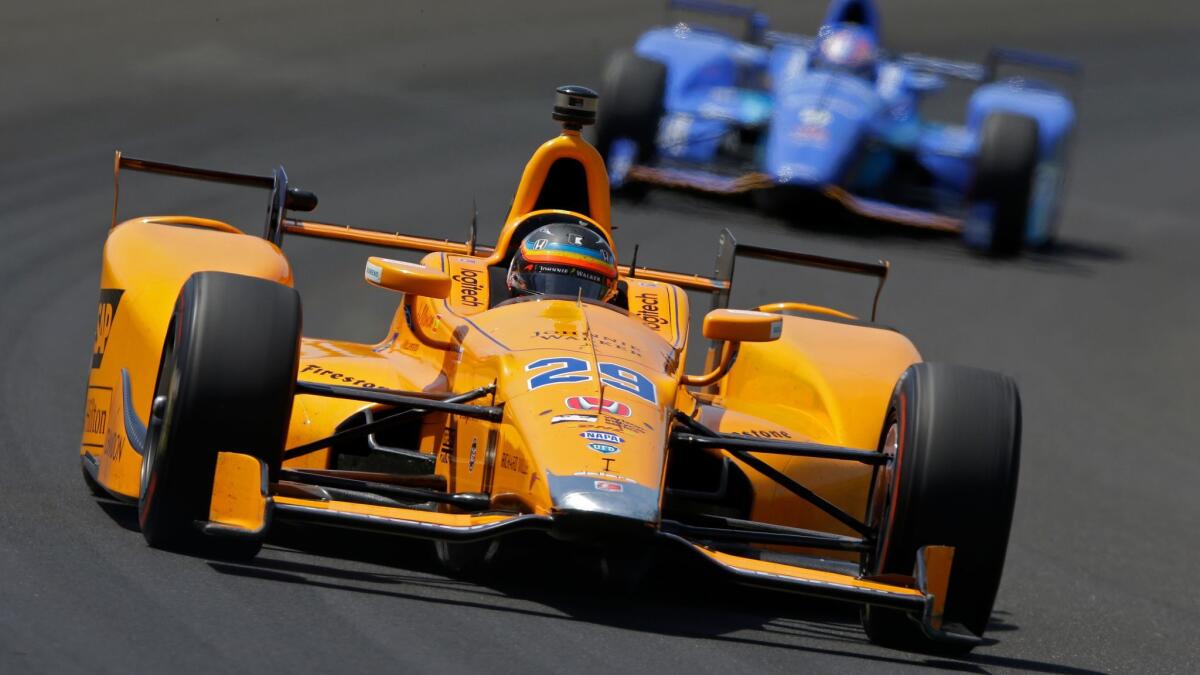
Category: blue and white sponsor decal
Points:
column 604, row 448
column 606, row 436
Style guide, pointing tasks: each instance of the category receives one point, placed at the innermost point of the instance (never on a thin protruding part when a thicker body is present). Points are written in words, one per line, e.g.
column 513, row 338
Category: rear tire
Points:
column 226, row 380
column 956, row 432
column 631, row 103
column 1004, row 173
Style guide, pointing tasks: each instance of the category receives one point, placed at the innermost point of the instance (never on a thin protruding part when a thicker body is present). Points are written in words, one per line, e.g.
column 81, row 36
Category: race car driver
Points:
column 564, row 258
column 848, row 48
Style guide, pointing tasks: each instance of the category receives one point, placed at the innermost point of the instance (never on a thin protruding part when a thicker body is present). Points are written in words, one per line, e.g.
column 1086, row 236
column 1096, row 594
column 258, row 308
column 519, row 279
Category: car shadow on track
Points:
column 122, row 514
column 563, row 583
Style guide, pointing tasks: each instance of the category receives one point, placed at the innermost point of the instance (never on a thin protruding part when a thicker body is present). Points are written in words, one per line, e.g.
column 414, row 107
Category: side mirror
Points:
column 408, row 278
column 733, row 327
column 742, row 325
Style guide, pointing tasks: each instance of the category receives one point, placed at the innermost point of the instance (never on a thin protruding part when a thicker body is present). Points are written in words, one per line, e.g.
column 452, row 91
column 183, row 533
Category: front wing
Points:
column 243, row 505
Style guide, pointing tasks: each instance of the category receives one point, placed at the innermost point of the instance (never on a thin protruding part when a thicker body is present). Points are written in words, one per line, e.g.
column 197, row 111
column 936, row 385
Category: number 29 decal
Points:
column 569, row 370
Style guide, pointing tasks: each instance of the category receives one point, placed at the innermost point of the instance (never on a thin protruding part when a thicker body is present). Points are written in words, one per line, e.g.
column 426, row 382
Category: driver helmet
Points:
column 565, row 257
column 850, row 48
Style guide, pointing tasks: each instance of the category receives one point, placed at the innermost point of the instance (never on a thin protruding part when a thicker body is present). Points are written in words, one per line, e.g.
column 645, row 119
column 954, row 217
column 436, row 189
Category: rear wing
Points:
column 960, row 70
column 285, row 199
column 729, row 250
column 997, row 57
column 986, row 71
column 756, row 22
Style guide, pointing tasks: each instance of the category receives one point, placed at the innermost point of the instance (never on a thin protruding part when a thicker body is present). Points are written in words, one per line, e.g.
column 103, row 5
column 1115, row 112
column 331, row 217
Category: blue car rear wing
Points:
column 1070, row 72
column 962, row 70
column 986, row 71
column 756, row 22
column 712, row 7
column 998, row 56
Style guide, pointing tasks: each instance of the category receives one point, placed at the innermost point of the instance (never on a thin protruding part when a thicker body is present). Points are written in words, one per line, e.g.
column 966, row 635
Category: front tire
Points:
column 955, row 433
column 631, row 104
column 226, row 380
column 1004, row 179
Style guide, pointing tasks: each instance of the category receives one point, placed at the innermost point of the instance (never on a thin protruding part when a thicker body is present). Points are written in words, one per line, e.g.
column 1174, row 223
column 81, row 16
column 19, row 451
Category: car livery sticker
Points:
column 593, row 403
column 110, row 299
column 656, row 307
column 554, row 370
column 603, row 436
column 559, row 419
column 604, row 448
column 469, row 290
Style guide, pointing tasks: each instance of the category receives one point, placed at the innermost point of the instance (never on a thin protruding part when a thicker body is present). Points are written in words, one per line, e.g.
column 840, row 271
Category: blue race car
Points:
column 836, row 115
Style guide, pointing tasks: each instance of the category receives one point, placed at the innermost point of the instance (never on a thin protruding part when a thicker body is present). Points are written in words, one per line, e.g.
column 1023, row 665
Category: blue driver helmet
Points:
column 848, row 48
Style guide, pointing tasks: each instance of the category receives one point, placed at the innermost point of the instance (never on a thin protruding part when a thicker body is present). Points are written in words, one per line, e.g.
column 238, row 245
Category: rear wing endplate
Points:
column 729, row 250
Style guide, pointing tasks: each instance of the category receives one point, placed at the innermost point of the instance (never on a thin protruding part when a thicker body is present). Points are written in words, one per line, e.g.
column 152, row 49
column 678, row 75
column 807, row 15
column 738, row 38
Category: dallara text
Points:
column 815, row 452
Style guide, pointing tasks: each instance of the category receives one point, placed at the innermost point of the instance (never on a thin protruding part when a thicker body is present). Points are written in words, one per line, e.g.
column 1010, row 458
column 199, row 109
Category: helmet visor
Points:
column 552, row 280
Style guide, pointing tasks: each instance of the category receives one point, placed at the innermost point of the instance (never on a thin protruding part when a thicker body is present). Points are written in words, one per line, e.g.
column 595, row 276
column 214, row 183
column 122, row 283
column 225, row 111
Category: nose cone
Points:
column 816, row 128
column 588, row 505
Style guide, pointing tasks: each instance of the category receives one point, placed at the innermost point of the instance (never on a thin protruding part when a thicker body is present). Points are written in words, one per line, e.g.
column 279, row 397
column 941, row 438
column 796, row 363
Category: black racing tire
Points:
column 957, row 440
column 1004, row 172
column 631, row 102
column 226, row 380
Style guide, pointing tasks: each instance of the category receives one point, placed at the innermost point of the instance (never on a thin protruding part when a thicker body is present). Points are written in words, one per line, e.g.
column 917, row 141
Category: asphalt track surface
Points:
column 398, row 115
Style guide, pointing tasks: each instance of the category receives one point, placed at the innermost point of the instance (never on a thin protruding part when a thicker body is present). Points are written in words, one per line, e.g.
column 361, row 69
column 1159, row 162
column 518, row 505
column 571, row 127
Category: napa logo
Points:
column 604, row 436
column 604, row 448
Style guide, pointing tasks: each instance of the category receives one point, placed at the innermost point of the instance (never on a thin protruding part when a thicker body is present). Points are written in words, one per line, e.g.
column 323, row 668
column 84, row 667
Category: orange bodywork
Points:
column 589, row 392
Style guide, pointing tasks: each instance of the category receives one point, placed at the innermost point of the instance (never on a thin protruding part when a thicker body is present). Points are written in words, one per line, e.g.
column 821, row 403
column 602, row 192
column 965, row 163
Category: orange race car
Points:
column 538, row 385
